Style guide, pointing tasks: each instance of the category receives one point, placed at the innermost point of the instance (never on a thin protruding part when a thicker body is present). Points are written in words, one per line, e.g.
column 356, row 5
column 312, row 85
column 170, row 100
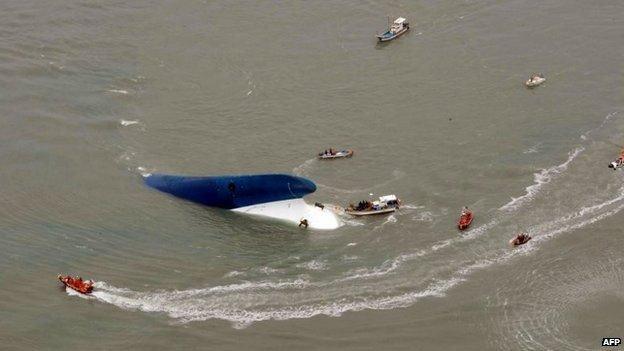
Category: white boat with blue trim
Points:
column 398, row 27
column 385, row 204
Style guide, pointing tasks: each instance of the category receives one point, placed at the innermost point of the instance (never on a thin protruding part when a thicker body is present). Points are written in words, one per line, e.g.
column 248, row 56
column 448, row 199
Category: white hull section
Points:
column 535, row 82
column 294, row 211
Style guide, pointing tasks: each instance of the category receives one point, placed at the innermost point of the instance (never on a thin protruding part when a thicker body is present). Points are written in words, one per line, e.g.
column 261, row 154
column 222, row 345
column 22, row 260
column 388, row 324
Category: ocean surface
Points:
column 95, row 93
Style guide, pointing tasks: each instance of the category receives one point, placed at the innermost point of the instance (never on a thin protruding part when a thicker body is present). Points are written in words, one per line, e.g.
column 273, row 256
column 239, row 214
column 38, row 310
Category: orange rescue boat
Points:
column 77, row 284
column 464, row 220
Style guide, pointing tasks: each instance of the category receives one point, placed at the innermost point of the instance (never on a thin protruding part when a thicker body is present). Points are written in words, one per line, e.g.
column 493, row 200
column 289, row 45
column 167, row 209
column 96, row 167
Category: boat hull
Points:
column 465, row 221
column 83, row 289
column 294, row 211
column 339, row 154
column 535, row 82
column 514, row 242
column 384, row 37
column 232, row 191
column 371, row 213
column 277, row 196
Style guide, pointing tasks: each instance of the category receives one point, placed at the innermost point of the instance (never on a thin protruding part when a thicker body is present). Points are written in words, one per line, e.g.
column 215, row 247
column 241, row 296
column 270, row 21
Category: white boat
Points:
column 535, row 80
column 385, row 204
column 398, row 27
column 335, row 154
column 618, row 162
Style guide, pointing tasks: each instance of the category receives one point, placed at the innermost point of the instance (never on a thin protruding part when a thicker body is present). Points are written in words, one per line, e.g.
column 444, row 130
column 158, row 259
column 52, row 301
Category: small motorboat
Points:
column 618, row 162
column 385, row 204
column 398, row 27
column 333, row 154
column 520, row 239
column 535, row 80
column 77, row 284
column 465, row 219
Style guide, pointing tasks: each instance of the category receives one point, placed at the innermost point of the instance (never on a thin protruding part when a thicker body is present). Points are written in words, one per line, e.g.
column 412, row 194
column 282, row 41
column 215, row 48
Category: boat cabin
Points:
column 398, row 25
column 388, row 200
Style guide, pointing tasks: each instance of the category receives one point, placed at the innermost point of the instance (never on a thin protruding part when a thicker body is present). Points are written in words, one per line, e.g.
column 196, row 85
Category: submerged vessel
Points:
column 385, row 204
column 535, row 80
column 278, row 196
column 77, row 284
column 332, row 154
column 398, row 27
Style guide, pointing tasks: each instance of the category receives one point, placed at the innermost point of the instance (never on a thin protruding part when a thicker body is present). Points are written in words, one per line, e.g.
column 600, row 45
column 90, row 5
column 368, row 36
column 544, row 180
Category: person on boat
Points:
column 465, row 211
column 520, row 238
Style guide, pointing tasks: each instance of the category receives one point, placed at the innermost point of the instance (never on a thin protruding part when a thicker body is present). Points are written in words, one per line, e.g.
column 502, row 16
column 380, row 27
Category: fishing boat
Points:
column 398, row 27
column 77, row 284
column 333, row 154
column 464, row 220
column 520, row 239
column 385, row 204
column 535, row 80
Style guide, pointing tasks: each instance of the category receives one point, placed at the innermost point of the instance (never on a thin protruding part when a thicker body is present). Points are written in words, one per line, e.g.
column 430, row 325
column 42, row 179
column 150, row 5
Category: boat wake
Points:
column 327, row 286
column 245, row 303
column 541, row 178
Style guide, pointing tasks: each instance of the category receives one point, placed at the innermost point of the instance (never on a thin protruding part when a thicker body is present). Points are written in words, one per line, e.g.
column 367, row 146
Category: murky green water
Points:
column 94, row 93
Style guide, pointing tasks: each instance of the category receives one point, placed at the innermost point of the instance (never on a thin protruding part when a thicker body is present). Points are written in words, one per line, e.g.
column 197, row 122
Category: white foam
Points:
column 424, row 216
column 314, row 265
column 387, row 267
column 126, row 123
column 187, row 308
column 234, row 274
column 118, row 91
column 248, row 302
column 541, row 178
column 192, row 305
column 267, row 270
column 533, row 149
column 390, row 219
